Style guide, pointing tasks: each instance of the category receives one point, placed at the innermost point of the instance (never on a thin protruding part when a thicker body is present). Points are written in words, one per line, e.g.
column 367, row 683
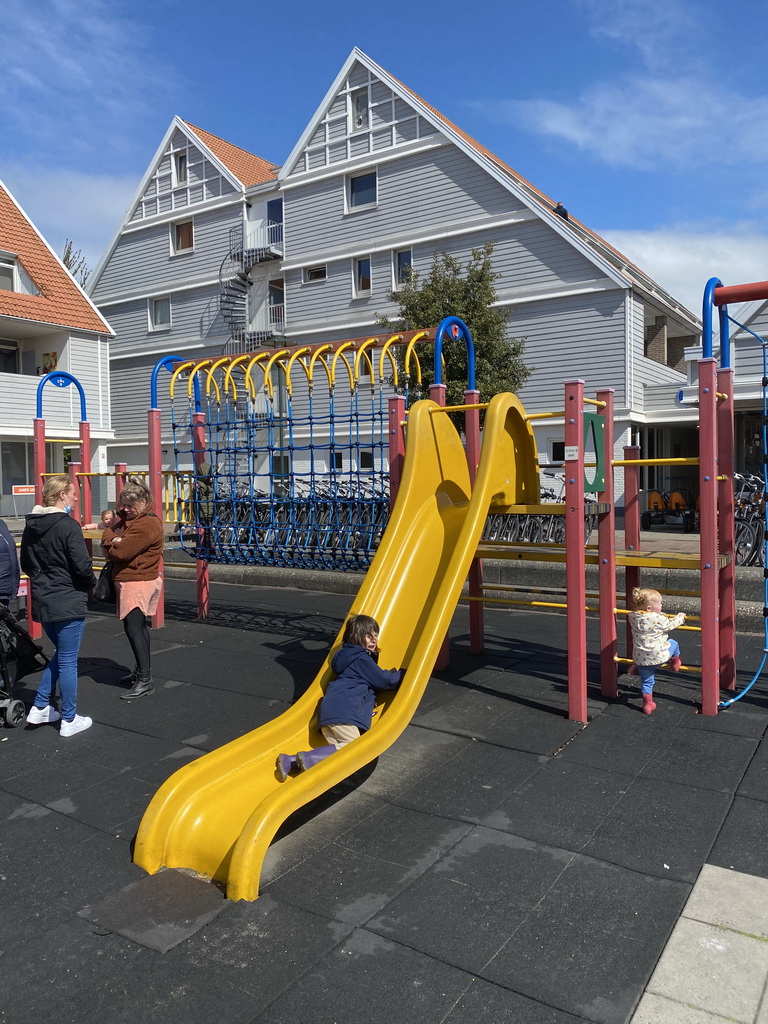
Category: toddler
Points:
column 346, row 709
column 651, row 646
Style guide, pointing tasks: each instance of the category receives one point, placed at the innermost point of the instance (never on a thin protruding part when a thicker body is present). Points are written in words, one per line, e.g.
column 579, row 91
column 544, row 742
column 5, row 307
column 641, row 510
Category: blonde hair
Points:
column 642, row 597
column 134, row 492
column 53, row 487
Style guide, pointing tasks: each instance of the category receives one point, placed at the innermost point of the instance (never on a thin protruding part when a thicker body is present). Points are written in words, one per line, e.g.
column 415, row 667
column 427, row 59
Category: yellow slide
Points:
column 218, row 815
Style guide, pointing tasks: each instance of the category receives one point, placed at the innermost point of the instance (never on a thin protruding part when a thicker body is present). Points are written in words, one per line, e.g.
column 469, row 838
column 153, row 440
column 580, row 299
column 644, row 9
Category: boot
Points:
column 674, row 664
column 648, row 704
column 130, row 679
column 141, row 688
column 285, row 764
column 309, row 758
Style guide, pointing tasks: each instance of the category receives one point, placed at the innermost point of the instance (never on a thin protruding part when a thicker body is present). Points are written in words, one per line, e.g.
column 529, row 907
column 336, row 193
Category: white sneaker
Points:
column 39, row 716
column 78, row 724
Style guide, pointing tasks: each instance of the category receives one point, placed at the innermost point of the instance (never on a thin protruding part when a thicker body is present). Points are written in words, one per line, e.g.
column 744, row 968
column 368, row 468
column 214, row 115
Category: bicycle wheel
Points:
column 532, row 530
column 759, row 550
column 557, row 533
column 744, row 541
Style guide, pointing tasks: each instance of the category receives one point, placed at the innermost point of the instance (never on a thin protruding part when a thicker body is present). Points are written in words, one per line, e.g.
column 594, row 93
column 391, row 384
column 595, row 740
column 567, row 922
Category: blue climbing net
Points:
column 282, row 457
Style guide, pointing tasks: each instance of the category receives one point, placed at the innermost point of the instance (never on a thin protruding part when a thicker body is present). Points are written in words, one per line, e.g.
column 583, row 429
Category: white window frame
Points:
column 397, row 284
column 320, row 270
column 10, row 263
column 357, row 208
column 153, row 325
column 359, row 122
column 357, row 291
column 174, row 226
column 177, row 159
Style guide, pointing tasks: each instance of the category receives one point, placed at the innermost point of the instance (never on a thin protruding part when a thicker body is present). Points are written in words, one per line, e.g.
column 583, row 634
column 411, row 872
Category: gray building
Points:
column 222, row 252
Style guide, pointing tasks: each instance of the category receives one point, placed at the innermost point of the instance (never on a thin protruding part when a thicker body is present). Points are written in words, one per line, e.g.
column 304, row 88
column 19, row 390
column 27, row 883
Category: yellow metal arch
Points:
column 268, row 369
column 385, row 352
column 339, row 354
column 363, row 354
column 254, row 361
column 296, row 355
column 209, row 373
column 315, row 356
column 175, row 374
column 228, row 380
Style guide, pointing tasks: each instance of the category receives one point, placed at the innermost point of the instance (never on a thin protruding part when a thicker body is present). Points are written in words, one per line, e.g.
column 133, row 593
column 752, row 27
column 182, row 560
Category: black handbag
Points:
column 105, row 585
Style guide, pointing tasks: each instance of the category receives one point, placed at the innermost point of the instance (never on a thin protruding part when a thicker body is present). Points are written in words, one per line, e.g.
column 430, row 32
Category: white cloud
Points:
column 652, row 122
column 683, row 259
column 86, row 208
column 656, row 30
column 78, row 75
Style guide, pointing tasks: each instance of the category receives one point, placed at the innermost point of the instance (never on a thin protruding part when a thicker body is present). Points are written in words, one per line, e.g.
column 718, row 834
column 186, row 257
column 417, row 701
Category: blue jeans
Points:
column 647, row 673
column 66, row 636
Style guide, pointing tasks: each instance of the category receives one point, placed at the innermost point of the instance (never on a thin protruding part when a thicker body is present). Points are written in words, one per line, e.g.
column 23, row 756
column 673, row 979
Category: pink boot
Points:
column 648, row 704
column 674, row 664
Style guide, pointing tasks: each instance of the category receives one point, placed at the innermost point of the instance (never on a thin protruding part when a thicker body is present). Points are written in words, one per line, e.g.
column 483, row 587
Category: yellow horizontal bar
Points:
column 544, row 415
column 723, row 476
column 594, row 401
column 459, row 408
column 655, row 462
column 720, row 395
column 693, row 618
column 683, row 668
column 62, row 440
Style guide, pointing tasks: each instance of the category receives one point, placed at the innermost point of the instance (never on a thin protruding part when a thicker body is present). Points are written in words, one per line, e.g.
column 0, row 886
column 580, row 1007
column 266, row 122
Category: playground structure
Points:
column 218, row 815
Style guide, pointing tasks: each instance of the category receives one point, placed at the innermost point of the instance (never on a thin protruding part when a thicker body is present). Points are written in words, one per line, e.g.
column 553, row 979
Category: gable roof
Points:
column 61, row 302
column 246, row 167
column 612, row 262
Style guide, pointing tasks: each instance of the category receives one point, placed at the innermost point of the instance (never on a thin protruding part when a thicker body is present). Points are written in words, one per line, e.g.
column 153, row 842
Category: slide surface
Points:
column 218, row 815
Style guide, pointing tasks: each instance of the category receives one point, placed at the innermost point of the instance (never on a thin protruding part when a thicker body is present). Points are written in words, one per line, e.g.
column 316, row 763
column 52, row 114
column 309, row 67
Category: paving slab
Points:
column 659, row 1010
column 712, row 969
column 741, row 844
column 484, row 1002
column 730, row 899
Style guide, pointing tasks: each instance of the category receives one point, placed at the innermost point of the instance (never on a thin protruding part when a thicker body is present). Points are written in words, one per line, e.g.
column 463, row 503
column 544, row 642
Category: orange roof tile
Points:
column 247, row 168
column 61, row 300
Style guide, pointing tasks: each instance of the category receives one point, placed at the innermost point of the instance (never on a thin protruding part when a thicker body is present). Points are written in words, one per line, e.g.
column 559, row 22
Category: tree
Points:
column 75, row 263
column 448, row 290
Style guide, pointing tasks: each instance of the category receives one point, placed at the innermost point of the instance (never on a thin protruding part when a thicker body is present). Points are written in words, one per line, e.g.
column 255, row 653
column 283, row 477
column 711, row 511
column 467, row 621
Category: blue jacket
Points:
column 9, row 565
column 350, row 697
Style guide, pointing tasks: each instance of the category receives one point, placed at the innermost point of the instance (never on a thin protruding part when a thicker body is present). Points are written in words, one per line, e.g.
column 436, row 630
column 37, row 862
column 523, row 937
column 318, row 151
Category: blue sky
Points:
column 648, row 119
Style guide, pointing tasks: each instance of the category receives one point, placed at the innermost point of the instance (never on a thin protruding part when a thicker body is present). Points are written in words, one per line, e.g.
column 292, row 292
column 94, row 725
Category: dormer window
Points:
column 13, row 276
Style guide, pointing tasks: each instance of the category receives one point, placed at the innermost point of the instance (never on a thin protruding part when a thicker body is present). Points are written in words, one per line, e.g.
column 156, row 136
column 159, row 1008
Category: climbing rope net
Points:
column 282, row 455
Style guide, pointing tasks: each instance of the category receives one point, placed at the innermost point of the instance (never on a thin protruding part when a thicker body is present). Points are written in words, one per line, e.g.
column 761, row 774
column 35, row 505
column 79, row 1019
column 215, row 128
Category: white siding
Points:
column 142, row 261
column 194, row 316
column 577, row 337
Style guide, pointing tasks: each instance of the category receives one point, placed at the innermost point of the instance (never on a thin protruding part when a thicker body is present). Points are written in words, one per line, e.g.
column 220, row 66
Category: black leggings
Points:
column 137, row 631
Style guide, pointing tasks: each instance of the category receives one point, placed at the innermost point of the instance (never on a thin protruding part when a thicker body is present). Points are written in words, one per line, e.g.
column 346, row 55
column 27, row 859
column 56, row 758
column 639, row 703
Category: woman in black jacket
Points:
column 54, row 556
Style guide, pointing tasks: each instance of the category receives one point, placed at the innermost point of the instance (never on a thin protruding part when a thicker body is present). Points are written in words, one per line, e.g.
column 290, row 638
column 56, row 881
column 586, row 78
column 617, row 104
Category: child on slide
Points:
column 346, row 709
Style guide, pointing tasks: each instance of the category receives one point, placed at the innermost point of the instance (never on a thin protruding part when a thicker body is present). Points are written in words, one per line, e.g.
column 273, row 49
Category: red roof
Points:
column 247, row 168
column 61, row 300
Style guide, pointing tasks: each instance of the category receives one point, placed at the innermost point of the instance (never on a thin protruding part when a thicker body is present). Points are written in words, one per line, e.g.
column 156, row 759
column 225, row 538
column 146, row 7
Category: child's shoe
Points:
column 648, row 704
column 309, row 758
column 675, row 663
column 78, row 724
column 39, row 716
column 285, row 764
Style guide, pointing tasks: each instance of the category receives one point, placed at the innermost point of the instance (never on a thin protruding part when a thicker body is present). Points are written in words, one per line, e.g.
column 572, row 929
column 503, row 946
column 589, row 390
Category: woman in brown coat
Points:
column 135, row 545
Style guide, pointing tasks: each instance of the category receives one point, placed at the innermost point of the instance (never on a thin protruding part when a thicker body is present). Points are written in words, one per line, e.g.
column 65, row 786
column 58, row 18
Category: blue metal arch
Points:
column 458, row 329
column 60, row 379
column 706, row 325
column 166, row 362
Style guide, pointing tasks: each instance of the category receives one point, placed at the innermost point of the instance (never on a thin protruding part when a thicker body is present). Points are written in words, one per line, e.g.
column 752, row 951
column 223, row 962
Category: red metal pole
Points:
column 726, row 530
column 606, row 550
column 575, row 562
column 73, row 471
column 475, row 578
column 396, row 413
column 740, row 293
column 121, row 474
column 202, row 573
column 631, row 529
column 86, row 500
column 38, row 461
column 708, row 493
column 156, row 487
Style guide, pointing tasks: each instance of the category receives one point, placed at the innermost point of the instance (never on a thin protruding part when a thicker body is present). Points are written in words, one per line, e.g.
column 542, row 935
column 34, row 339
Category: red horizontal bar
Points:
column 740, row 292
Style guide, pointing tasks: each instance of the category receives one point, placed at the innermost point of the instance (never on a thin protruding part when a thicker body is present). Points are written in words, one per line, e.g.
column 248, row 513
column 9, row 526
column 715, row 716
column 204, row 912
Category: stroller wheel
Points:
column 15, row 713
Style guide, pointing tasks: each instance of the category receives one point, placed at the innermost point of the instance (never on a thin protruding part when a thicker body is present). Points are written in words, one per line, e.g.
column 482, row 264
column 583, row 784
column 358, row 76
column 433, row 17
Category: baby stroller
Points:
column 19, row 654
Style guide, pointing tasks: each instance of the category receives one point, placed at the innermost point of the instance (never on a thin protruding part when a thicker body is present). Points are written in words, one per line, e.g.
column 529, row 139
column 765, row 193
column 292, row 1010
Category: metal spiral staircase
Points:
column 245, row 251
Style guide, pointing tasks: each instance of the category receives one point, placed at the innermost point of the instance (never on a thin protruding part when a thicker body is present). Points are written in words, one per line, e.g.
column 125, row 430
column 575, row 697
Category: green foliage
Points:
column 450, row 290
